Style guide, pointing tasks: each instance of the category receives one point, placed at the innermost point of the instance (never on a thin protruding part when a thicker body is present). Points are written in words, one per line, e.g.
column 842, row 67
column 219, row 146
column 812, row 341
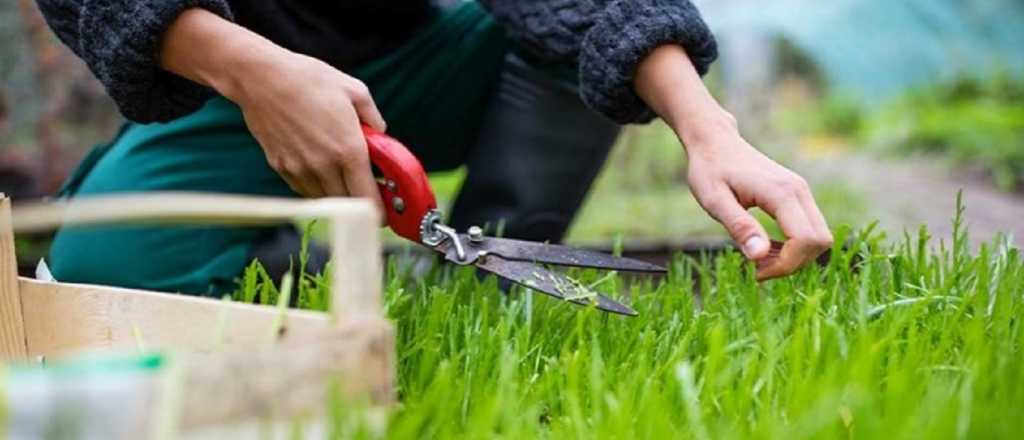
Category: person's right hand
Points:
column 306, row 115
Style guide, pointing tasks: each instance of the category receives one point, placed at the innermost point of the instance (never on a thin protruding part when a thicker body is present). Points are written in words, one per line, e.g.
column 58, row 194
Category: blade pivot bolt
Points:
column 398, row 204
column 392, row 186
column 476, row 234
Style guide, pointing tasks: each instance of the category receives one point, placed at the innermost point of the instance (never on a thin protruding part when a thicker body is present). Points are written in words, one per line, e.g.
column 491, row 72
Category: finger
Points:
column 302, row 185
column 773, row 254
column 800, row 245
column 312, row 188
column 294, row 185
column 367, row 110
column 741, row 225
column 332, row 182
column 817, row 219
column 359, row 177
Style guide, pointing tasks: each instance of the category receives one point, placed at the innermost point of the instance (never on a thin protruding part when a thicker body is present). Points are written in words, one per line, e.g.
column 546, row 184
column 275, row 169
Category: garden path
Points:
column 904, row 193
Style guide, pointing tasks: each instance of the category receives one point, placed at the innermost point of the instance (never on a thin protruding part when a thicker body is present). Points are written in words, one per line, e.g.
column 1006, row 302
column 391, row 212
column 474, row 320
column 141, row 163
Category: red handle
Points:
column 405, row 189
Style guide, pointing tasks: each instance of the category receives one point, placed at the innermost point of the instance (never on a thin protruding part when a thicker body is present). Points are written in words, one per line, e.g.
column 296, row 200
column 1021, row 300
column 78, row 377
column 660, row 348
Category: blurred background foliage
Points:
column 973, row 123
column 51, row 108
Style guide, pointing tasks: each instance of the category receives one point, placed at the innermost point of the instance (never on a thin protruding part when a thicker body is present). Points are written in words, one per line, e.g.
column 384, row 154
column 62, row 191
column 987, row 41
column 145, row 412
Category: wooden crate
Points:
column 240, row 361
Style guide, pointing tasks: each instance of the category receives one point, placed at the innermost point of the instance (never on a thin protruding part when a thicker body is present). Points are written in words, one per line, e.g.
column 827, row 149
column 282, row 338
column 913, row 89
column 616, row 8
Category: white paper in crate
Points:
column 43, row 272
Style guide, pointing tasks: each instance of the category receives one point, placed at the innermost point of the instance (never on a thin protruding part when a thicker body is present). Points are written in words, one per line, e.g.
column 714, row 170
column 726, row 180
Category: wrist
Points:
column 248, row 71
column 667, row 81
column 704, row 129
column 232, row 57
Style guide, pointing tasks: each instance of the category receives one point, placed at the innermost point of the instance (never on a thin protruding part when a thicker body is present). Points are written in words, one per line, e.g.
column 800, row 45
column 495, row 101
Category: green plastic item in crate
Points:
column 92, row 397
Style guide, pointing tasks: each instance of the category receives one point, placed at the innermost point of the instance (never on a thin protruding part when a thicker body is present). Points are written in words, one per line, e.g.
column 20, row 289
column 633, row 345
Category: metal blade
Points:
column 550, row 283
column 558, row 255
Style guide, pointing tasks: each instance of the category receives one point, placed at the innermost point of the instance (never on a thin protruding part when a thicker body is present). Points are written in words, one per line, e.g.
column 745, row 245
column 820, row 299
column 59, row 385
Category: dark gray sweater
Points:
column 118, row 39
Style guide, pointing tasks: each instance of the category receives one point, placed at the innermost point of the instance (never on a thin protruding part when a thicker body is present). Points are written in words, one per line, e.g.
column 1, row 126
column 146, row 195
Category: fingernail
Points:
column 754, row 246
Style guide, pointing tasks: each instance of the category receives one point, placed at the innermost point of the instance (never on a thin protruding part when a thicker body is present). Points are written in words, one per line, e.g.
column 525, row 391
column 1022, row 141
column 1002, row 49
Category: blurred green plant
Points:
column 834, row 115
column 972, row 121
column 975, row 122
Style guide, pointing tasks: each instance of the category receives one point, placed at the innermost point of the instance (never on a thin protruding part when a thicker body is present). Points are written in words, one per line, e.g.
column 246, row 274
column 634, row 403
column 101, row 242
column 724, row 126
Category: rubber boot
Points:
column 538, row 152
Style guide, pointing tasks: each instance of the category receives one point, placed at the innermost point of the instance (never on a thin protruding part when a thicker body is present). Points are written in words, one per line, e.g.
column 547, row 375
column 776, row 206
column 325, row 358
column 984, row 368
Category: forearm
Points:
column 668, row 82
column 305, row 114
column 607, row 39
column 229, row 54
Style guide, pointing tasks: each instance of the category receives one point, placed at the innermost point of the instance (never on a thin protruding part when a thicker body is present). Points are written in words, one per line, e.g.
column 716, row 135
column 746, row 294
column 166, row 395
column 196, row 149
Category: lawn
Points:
column 905, row 338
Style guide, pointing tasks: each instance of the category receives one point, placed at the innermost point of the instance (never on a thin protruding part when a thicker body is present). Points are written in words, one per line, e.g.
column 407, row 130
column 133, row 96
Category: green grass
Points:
column 911, row 339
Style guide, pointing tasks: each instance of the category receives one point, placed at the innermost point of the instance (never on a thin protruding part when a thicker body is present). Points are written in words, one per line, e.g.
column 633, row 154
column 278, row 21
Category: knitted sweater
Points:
column 118, row 40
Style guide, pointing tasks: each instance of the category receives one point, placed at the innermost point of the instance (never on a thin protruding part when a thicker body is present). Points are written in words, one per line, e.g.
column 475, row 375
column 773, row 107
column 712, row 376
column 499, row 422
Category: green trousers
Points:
column 430, row 91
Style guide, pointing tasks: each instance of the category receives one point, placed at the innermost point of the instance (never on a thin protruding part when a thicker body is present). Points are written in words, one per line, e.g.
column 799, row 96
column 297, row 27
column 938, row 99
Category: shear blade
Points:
column 560, row 255
column 550, row 283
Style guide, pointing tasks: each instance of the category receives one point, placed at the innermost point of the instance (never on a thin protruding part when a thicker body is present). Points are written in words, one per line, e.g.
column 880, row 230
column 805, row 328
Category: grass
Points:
column 910, row 339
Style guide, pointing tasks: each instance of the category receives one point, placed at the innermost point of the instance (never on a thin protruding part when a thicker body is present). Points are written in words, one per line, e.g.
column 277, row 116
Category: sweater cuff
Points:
column 623, row 35
column 120, row 41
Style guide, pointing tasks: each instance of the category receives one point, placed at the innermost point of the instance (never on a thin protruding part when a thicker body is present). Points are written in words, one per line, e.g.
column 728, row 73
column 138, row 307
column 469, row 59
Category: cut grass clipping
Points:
column 909, row 340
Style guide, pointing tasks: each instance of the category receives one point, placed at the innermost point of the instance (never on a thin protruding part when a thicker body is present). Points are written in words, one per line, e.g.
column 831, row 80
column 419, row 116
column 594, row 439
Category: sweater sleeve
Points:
column 119, row 40
column 608, row 39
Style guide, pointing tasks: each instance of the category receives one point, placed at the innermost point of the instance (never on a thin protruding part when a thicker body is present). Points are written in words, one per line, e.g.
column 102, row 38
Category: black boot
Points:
column 538, row 151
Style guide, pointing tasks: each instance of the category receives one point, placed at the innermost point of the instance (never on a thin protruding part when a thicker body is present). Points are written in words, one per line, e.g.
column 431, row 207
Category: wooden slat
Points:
column 237, row 374
column 193, row 393
column 12, row 330
column 182, row 208
column 357, row 272
column 315, row 429
column 293, row 378
column 68, row 318
column 355, row 224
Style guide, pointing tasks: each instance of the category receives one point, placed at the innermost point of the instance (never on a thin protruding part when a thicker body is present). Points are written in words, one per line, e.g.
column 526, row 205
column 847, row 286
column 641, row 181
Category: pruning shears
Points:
column 411, row 210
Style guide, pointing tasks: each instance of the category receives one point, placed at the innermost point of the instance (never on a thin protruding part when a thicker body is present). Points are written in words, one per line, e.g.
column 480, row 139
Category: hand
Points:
column 728, row 176
column 304, row 113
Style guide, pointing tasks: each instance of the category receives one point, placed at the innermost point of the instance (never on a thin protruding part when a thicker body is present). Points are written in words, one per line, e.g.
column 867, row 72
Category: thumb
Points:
column 742, row 226
column 368, row 113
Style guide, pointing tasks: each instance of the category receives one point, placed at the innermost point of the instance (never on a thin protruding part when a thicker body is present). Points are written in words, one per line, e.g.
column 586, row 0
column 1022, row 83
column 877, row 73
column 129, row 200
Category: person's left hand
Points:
column 728, row 176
